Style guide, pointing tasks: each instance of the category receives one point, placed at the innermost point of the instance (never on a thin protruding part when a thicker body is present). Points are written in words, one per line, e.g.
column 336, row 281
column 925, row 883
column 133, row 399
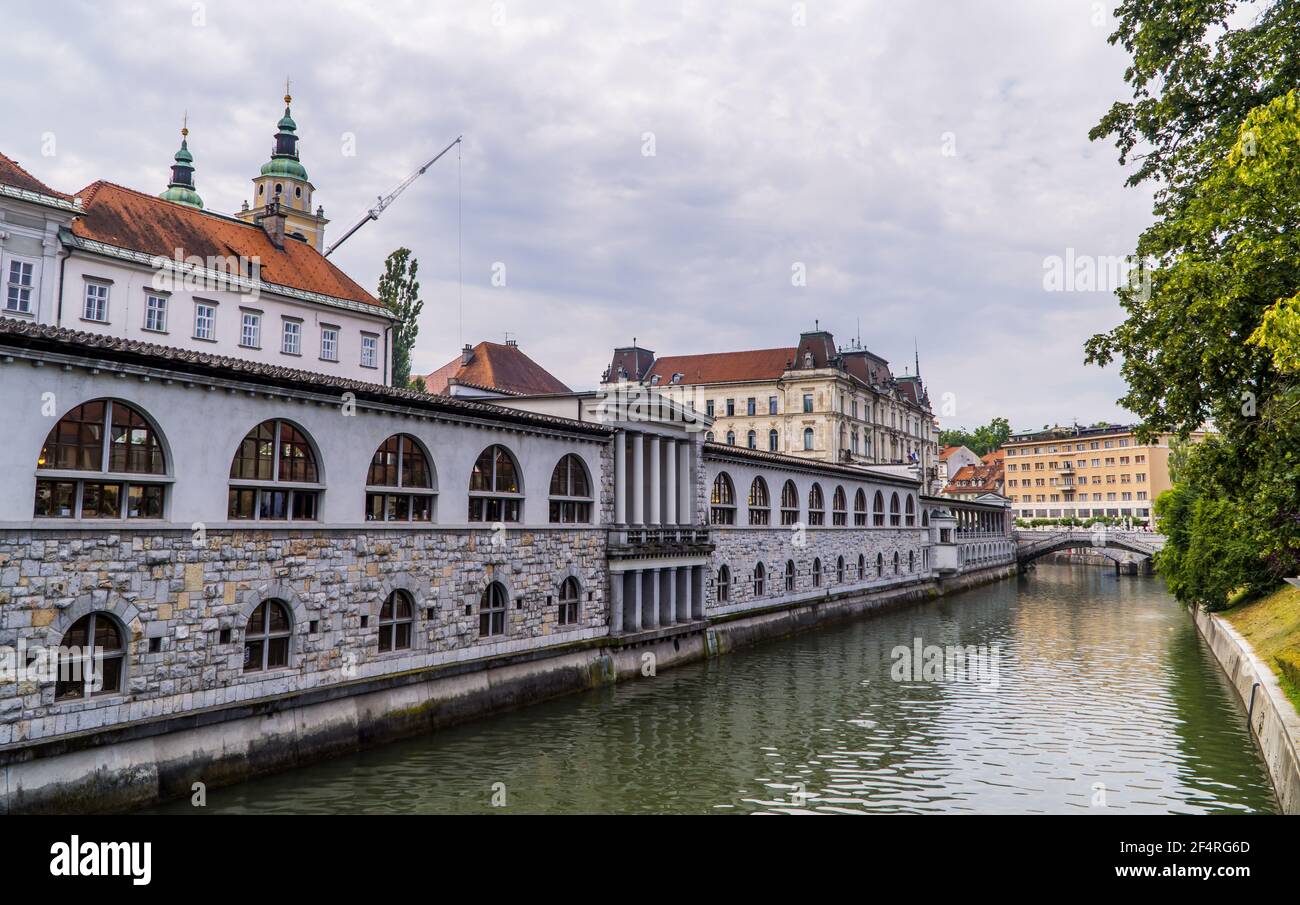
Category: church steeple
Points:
column 181, row 188
column 283, row 181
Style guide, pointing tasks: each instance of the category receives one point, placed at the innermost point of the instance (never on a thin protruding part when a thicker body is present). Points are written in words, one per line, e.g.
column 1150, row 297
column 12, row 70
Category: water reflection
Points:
column 1104, row 693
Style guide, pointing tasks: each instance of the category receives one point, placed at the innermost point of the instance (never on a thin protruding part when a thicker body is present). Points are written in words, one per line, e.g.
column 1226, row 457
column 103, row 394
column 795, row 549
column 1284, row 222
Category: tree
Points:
column 982, row 440
column 417, row 383
column 399, row 291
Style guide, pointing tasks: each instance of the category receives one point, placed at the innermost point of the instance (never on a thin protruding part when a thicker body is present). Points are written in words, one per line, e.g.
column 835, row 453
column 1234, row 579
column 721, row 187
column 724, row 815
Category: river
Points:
column 1104, row 700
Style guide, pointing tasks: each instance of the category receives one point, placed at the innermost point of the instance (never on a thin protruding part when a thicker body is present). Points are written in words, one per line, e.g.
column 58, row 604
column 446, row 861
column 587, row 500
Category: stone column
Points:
column 616, row 625
column 688, row 580
column 655, row 486
column 670, row 598
column 671, row 493
column 650, row 612
column 638, row 479
column 685, row 485
column 620, row 478
column 636, row 600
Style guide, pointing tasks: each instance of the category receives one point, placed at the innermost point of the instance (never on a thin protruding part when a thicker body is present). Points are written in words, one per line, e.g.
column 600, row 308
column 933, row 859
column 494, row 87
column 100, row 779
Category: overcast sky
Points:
column 646, row 169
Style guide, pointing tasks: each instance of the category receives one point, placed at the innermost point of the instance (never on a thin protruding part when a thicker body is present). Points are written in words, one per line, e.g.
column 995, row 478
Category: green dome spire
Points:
column 284, row 155
column 181, row 188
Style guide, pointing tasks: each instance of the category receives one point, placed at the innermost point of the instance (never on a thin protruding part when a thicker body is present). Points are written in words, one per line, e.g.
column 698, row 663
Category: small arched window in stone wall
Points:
column 789, row 575
column 274, row 452
column 817, row 572
column 116, row 442
column 722, row 504
column 724, row 584
column 839, row 570
column 895, row 562
column 816, row 505
column 808, row 438
column 267, row 636
column 400, row 482
column 760, row 580
column 789, row 504
column 911, row 560
column 570, row 597
column 839, row 507
column 492, row 610
column 860, row 508
column 880, row 565
column 92, row 658
column 396, row 619
column 760, row 503
column 495, row 494
column 862, row 567
column 570, row 492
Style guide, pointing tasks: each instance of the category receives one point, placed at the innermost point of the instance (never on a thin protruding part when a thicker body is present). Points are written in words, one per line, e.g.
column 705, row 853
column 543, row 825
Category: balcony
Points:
column 660, row 540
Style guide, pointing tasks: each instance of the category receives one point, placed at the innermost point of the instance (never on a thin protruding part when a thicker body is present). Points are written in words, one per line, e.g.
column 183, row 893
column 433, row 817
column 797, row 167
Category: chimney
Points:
column 272, row 221
column 512, row 343
column 466, row 354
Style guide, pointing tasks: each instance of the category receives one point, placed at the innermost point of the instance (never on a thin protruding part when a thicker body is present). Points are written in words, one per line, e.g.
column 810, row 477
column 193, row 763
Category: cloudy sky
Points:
column 657, row 170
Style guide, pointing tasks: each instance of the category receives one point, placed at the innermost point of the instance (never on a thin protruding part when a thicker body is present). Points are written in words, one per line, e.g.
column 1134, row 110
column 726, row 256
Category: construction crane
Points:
column 384, row 201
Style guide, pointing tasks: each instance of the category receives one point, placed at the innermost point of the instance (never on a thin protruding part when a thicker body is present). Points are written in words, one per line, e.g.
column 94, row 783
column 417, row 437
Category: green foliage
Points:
column 399, row 291
column 1212, row 331
column 982, row 440
column 417, row 383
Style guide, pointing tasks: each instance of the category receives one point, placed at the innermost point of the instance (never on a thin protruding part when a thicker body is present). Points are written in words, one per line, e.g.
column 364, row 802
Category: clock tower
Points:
column 284, row 181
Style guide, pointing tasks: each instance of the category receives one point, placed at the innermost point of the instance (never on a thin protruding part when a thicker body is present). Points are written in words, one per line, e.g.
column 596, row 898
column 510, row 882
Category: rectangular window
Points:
column 96, row 307
column 250, row 330
column 155, row 313
column 807, row 402
column 329, row 343
column 292, row 342
column 771, row 405
column 205, row 321
column 751, row 406
column 369, row 351
column 18, row 296
column 731, row 408
column 708, row 407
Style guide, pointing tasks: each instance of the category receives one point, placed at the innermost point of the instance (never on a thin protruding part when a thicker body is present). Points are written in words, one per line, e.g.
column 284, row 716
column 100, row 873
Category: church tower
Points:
column 284, row 181
column 181, row 188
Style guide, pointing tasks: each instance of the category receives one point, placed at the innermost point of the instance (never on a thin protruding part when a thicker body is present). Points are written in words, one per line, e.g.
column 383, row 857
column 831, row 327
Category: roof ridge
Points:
column 28, row 173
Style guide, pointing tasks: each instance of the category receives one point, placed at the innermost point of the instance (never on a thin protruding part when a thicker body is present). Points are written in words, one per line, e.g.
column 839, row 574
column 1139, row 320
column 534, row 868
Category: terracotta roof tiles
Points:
column 493, row 366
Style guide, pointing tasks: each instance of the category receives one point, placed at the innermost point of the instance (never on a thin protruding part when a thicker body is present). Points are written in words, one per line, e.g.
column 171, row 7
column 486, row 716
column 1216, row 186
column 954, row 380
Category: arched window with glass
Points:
column 396, row 620
column 880, row 565
column 789, row 504
column 724, row 584
column 722, row 504
column 731, row 438
column 878, row 510
column 773, row 441
column 570, row 597
column 839, row 570
column 862, row 567
column 839, row 507
column 92, row 658
column 817, row 572
column 120, row 446
column 266, row 637
column 910, row 512
column 274, row 476
column 895, row 562
column 860, row 508
column 400, row 482
column 760, row 580
column 789, row 575
column 816, row 505
column 911, row 560
column 760, row 504
column 492, row 610
column 751, row 440
column 894, row 515
column 495, row 493
column 570, row 492
column 808, row 438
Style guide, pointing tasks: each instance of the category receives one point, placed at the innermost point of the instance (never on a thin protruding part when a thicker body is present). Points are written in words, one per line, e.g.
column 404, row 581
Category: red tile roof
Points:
column 971, row 479
column 946, row 452
column 14, row 175
column 133, row 220
column 723, row 367
column 493, row 366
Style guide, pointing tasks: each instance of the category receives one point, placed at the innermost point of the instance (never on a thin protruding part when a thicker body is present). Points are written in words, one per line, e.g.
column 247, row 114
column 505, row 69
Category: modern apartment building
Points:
column 1086, row 472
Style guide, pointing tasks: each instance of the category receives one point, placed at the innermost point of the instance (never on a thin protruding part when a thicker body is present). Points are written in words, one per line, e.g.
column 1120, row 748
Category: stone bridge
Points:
column 1030, row 545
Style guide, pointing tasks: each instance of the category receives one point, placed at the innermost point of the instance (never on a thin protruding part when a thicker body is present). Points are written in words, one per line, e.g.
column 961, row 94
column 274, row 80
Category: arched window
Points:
column 880, row 565
column 808, row 438
column 709, row 436
column 78, row 443
column 266, row 637
column 789, row 574
column 925, row 518
column 722, row 505
column 92, row 658
column 731, row 438
column 724, row 584
column 396, row 618
column 895, row 562
column 760, row 512
column 817, row 572
column 911, row 560
column 839, row 507
column 893, row 510
column 773, row 441
column 816, row 505
column 274, row 451
column 492, row 610
column 878, row 510
column 494, row 494
column 751, row 440
column 839, row 570
column 760, row 580
column 570, row 595
column 570, row 492
column 860, row 508
column 789, row 503
column 862, row 567
column 910, row 521
column 399, row 464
